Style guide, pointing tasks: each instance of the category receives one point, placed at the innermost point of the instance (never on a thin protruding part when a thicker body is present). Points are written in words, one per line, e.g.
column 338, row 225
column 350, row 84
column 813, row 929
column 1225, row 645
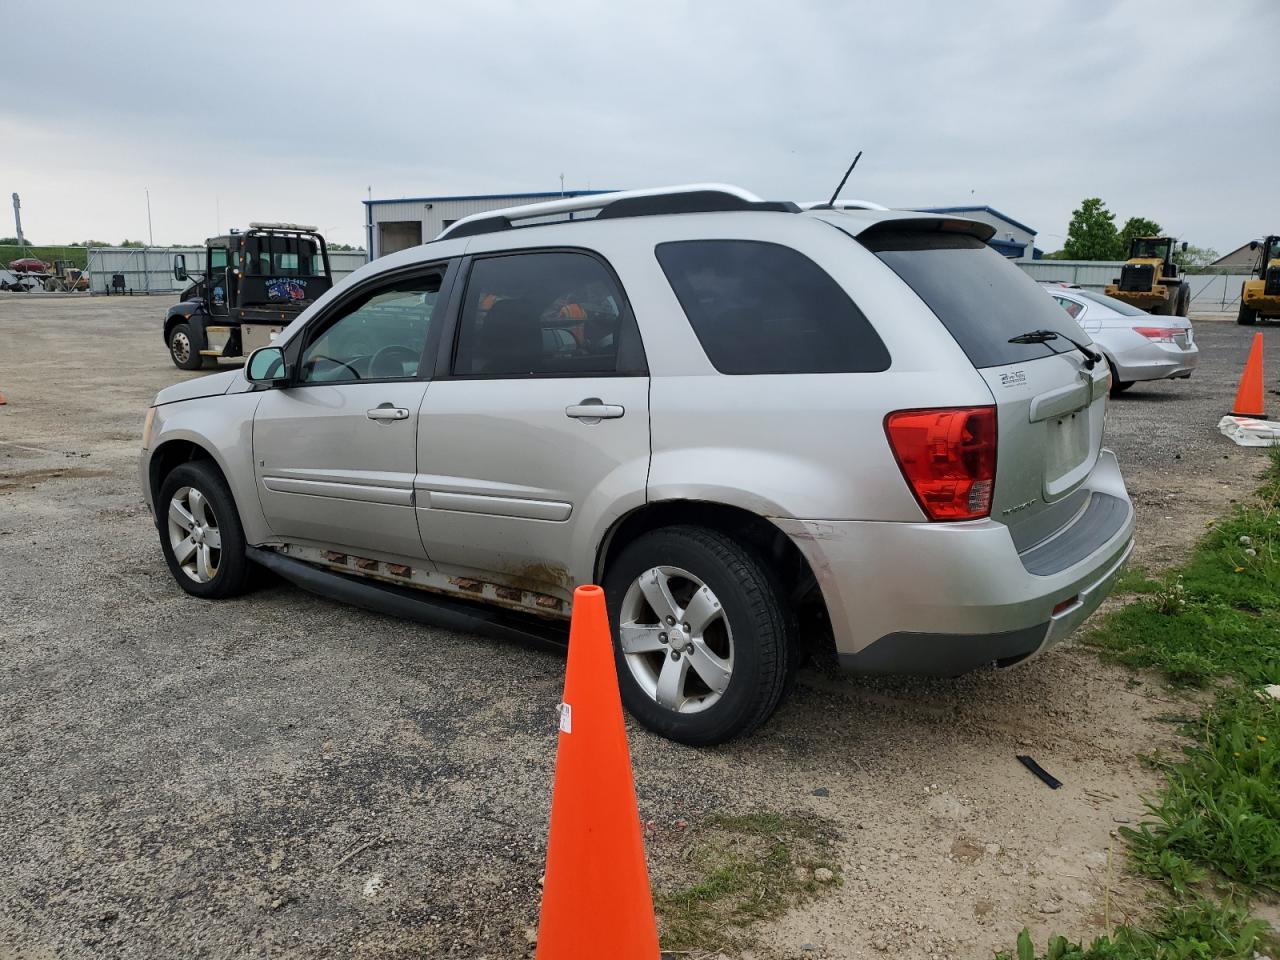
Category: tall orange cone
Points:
column 595, row 897
column 1249, row 396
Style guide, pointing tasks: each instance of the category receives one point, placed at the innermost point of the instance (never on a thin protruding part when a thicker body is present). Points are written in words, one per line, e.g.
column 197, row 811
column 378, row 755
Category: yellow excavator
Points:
column 1260, row 296
column 1150, row 280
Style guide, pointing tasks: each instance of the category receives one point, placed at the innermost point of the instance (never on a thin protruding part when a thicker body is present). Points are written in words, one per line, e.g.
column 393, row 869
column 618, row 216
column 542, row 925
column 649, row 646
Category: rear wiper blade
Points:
column 1044, row 336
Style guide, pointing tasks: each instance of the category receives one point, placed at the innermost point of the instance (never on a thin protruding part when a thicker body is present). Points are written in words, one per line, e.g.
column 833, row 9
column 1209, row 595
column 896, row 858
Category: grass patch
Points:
column 1218, row 616
column 737, row 871
column 1219, row 815
column 1214, row 828
column 1198, row 930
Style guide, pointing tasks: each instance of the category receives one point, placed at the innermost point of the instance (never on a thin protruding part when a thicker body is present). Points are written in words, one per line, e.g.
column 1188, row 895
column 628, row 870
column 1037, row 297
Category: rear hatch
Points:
column 1050, row 398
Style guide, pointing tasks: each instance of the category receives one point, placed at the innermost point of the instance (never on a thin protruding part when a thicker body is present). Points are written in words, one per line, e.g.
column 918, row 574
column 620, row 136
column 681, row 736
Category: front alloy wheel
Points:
column 200, row 531
column 676, row 640
column 194, row 535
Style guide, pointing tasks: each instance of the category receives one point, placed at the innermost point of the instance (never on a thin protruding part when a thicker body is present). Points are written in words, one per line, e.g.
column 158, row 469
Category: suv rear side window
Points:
column 979, row 296
column 764, row 308
column 545, row 314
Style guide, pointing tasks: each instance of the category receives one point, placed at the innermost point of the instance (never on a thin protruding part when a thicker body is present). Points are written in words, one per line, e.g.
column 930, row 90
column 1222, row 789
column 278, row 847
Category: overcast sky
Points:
column 234, row 112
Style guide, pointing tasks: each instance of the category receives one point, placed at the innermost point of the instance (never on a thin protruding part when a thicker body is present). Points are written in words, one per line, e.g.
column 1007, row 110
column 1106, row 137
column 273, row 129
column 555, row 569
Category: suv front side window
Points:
column 382, row 336
column 544, row 314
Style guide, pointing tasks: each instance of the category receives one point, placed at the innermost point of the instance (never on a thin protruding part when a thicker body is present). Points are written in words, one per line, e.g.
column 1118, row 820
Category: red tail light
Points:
column 1158, row 334
column 948, row 457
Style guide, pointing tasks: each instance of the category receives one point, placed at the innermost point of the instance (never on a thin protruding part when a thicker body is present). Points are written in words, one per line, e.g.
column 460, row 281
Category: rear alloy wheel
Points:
column 200, row 532
column 702, row 634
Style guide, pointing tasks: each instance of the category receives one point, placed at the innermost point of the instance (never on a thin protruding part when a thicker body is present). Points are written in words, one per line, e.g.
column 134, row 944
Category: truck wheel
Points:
column 1246, row 317
column 702, row 634
column 200, row 532
column 183, row 349
column 1184, row 300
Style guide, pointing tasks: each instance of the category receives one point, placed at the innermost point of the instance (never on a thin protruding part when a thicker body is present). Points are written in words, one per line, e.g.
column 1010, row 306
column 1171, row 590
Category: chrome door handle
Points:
column 386, row 412
column 593, row 410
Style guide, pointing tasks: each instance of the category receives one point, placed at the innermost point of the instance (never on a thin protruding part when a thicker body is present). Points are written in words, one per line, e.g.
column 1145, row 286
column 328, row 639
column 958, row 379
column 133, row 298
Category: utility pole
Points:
column 17, row 220
column 151, row 237
column 562, row 184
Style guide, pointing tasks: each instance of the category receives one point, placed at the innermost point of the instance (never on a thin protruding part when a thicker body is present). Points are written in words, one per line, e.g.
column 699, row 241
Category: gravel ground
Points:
column 279, row 775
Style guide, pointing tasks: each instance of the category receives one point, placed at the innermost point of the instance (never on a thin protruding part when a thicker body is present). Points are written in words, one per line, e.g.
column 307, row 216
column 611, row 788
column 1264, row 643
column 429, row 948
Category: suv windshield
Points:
column 1119, row 306
column 981, row 298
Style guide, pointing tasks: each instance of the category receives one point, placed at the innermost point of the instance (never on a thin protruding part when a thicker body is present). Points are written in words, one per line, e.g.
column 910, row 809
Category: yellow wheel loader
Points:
column 1150, row 280
column 1260, row 296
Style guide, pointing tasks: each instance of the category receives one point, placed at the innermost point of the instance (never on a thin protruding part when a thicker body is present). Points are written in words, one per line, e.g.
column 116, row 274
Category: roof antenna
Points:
column 830, row 204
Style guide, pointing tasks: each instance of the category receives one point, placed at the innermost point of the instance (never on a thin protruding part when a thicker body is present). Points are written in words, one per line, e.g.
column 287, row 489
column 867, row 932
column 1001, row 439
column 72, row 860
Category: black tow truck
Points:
column 254, row 284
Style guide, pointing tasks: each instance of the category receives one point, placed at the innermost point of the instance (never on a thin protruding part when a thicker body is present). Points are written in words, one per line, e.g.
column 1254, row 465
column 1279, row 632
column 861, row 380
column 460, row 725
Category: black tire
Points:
column 183, row 349
column 1246, row 317
column 1184, row 300
column 1118, row 386
column 761, row 621
column 232, row 567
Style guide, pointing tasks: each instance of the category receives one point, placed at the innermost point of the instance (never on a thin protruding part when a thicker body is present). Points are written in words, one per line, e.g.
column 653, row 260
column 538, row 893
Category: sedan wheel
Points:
column 194, row 535
column 676, row 640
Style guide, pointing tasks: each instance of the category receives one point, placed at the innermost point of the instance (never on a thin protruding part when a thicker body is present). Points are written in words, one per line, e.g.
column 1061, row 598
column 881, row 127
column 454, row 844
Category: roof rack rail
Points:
column 687, row 198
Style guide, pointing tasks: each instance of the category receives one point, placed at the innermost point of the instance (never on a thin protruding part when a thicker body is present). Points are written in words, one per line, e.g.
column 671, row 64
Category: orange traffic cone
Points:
column 595, row 898
column 1249, row 396
column 3, row 401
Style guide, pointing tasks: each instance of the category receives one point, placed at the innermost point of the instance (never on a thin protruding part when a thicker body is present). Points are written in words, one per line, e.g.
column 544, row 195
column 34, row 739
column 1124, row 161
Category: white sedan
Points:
column 1137, row 344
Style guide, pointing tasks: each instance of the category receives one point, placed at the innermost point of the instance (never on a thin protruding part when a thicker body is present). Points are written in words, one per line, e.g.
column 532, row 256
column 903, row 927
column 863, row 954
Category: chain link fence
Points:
column 1211, row 289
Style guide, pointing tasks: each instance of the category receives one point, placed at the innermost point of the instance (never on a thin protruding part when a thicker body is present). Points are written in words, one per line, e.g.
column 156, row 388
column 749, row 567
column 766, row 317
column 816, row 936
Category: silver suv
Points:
column 752, row 424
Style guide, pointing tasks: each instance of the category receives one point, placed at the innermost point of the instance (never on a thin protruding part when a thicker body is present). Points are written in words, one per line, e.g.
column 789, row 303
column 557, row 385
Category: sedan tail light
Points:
column 1158, row 334
column 948, row 457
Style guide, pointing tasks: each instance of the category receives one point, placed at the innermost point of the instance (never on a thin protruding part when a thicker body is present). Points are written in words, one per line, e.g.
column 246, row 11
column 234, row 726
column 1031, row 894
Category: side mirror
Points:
column 267, row 365
column 180, row 266
column 1184, row 246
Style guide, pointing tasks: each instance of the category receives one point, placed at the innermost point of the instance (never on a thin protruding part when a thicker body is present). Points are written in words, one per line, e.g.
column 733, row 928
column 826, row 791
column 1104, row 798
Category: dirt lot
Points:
column 282, row 776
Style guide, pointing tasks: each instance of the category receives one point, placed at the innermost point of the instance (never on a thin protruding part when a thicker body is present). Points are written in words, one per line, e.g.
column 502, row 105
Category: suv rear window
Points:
column 979, row 296
column 764, row 308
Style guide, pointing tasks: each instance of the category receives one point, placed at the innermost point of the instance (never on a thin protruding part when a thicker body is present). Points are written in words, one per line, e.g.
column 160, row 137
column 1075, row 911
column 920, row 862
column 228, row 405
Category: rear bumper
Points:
column 1154, row 361
column 944, row 598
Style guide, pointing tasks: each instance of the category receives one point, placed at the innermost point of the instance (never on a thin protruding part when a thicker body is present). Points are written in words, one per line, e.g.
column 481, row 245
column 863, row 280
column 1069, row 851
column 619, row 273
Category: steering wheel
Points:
column 394, row 356
column 342, row 363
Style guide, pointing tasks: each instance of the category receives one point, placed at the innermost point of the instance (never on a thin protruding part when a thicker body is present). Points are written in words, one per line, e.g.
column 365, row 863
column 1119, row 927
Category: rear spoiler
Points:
column 867, row 229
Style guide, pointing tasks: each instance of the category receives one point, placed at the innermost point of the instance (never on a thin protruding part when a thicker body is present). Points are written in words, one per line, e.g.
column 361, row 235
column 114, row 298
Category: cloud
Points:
column 290, row 110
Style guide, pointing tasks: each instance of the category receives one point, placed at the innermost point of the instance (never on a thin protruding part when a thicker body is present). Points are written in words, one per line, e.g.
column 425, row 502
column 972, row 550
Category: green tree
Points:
column 344, row 246
column 8, row 241
column 132, row 243
column 1194, row 256
column 1137, row 227
column 1091, row 234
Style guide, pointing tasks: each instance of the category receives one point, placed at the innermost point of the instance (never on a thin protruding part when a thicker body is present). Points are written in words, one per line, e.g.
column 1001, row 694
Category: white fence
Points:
column 1209, row 291
column 150, row 269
